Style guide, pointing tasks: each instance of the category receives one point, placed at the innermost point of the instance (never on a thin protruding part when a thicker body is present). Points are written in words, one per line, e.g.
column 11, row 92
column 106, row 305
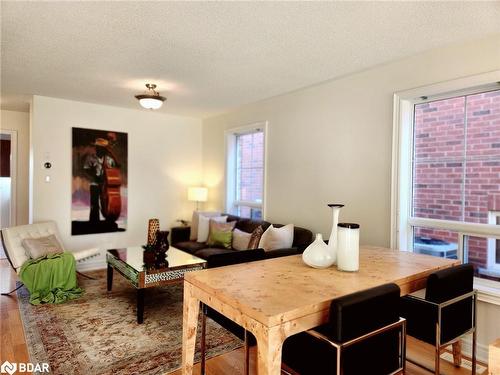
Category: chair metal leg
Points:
column 203, row 348
column 12, row 291
column 247, row 355
column 339, row 367
column 474, row 336
column 403, row 347
column 474, row 359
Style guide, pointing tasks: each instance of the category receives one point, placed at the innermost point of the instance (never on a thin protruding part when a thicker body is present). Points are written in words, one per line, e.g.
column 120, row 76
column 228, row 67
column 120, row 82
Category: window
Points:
column 493, row 246
column 246, row 171
column 446, row 178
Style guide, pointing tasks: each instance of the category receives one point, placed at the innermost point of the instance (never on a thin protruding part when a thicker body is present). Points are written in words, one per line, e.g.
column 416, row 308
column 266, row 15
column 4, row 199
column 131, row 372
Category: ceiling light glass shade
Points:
column 151, row 99
column 150, row 103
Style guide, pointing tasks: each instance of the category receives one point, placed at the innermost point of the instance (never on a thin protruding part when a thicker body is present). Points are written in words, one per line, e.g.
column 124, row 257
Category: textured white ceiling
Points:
column 208, row 57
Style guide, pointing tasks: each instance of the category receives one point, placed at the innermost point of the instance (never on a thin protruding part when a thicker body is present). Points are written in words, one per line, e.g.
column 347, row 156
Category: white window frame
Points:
column 231, row 201
column 492, row 244
column 402, row 222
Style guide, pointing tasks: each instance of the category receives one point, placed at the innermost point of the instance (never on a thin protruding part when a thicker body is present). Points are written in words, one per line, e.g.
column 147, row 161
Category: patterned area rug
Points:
column 98, row 333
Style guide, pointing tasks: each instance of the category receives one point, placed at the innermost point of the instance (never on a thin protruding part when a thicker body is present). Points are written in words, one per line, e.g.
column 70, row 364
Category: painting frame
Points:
column 99, row 183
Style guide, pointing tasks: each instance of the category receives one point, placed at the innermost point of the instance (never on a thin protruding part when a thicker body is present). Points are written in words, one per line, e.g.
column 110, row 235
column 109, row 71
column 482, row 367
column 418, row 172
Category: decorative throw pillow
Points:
column 277, row 238
column 203, row 226
column 255, row 238
column 193, row 235
column 241, row 239
column 221, row 234
column 42, row 246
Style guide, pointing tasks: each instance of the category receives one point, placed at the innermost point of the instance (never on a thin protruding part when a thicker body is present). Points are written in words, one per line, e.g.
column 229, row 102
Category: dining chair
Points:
column 364, row 335
column 444, row 312
column 221, row 260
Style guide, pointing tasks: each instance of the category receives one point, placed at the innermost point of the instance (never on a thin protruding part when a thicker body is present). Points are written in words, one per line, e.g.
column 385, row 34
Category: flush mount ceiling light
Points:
column 151, row 99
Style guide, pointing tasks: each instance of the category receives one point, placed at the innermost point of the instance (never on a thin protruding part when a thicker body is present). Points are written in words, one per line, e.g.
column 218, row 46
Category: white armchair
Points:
column 12, row 242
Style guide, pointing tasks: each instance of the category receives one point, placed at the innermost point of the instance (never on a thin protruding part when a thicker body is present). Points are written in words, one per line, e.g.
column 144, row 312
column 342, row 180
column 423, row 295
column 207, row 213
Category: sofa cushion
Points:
column 255, row 238
column 193, row 236
column 240, row 239
column 208, row 251
column 204, row 226
column 277, row 238
column 249, row 225
column 190, row 247
column 220, row 234
column 301, row 237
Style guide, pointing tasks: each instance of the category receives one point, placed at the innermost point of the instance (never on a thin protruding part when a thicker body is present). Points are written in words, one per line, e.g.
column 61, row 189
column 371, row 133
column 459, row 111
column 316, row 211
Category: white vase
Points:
column 316, row 255
column 332, row 242
column 348, row 247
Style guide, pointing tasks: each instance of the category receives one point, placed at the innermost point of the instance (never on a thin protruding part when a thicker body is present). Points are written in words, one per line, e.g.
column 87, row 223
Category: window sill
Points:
column 488, row 291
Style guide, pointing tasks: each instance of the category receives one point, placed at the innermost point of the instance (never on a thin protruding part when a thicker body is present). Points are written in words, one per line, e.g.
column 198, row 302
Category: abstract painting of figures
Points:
column 99, row 183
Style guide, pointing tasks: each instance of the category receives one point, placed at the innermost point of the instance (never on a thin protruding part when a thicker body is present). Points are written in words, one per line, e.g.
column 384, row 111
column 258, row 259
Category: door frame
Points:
column 13, row 174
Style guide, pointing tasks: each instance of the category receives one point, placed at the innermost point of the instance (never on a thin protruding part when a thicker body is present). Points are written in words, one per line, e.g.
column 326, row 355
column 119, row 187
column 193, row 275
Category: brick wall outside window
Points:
column 250, row 170
column 456, row 164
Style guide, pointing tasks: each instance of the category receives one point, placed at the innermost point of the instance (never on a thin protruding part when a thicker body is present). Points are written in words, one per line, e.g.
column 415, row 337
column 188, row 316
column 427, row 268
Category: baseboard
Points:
column 482, row 350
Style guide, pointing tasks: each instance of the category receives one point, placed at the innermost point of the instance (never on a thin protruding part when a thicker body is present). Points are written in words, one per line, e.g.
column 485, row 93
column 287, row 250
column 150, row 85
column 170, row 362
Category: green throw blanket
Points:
column 51, row 279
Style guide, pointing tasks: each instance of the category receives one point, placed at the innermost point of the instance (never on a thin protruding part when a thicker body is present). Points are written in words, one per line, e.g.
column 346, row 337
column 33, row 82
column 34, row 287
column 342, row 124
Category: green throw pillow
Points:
column 223, row 239
column 220, row 234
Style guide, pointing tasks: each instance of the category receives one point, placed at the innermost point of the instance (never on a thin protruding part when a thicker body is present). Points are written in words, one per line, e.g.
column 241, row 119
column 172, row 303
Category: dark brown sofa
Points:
column 180, row 239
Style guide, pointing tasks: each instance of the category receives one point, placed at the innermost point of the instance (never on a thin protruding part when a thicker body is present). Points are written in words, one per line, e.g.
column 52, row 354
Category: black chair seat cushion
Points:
column 281, row 253
column 351, row 316
column 233, row 257
column 442, row 286
column 377, row 355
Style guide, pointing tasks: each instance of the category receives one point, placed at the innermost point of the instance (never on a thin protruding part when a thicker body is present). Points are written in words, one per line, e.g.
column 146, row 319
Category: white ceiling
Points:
column 209, row 57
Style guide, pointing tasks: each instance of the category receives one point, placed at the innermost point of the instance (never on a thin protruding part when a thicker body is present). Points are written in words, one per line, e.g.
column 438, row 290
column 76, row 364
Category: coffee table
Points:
column 130, row 264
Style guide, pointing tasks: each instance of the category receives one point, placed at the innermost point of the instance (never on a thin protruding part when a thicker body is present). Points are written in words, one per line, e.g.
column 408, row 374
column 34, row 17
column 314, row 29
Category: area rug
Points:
column 98, row 333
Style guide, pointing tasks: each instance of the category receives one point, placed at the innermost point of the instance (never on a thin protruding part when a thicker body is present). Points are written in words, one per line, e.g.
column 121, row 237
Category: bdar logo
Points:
column 8, row 367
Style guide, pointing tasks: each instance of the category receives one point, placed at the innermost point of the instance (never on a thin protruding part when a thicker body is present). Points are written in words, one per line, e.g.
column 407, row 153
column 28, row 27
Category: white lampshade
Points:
column 198, row 194
column 150, row 103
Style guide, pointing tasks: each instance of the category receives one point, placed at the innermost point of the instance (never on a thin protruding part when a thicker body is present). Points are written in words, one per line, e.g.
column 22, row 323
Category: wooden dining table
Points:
column 277, row 298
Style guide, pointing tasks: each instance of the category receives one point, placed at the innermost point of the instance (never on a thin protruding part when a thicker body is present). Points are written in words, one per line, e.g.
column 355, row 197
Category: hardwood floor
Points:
column 13, row 347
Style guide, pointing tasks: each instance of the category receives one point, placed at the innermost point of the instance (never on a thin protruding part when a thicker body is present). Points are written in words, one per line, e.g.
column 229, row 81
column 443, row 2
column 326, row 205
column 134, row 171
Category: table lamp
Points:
column 197, row 194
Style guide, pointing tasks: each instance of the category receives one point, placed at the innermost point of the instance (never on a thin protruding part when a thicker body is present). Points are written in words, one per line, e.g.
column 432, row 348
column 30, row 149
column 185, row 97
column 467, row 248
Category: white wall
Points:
column 488, row 326
column 331, row 143
column 19, row 121
column 164, row 158
column 5, row 202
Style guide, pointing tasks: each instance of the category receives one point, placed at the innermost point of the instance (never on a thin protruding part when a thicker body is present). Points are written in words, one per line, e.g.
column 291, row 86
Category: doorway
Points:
column 8, row 146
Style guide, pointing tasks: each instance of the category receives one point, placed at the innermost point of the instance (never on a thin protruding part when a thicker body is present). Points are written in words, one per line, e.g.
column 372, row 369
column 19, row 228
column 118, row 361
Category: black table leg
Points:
column 110, row 278
column 140, row 306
